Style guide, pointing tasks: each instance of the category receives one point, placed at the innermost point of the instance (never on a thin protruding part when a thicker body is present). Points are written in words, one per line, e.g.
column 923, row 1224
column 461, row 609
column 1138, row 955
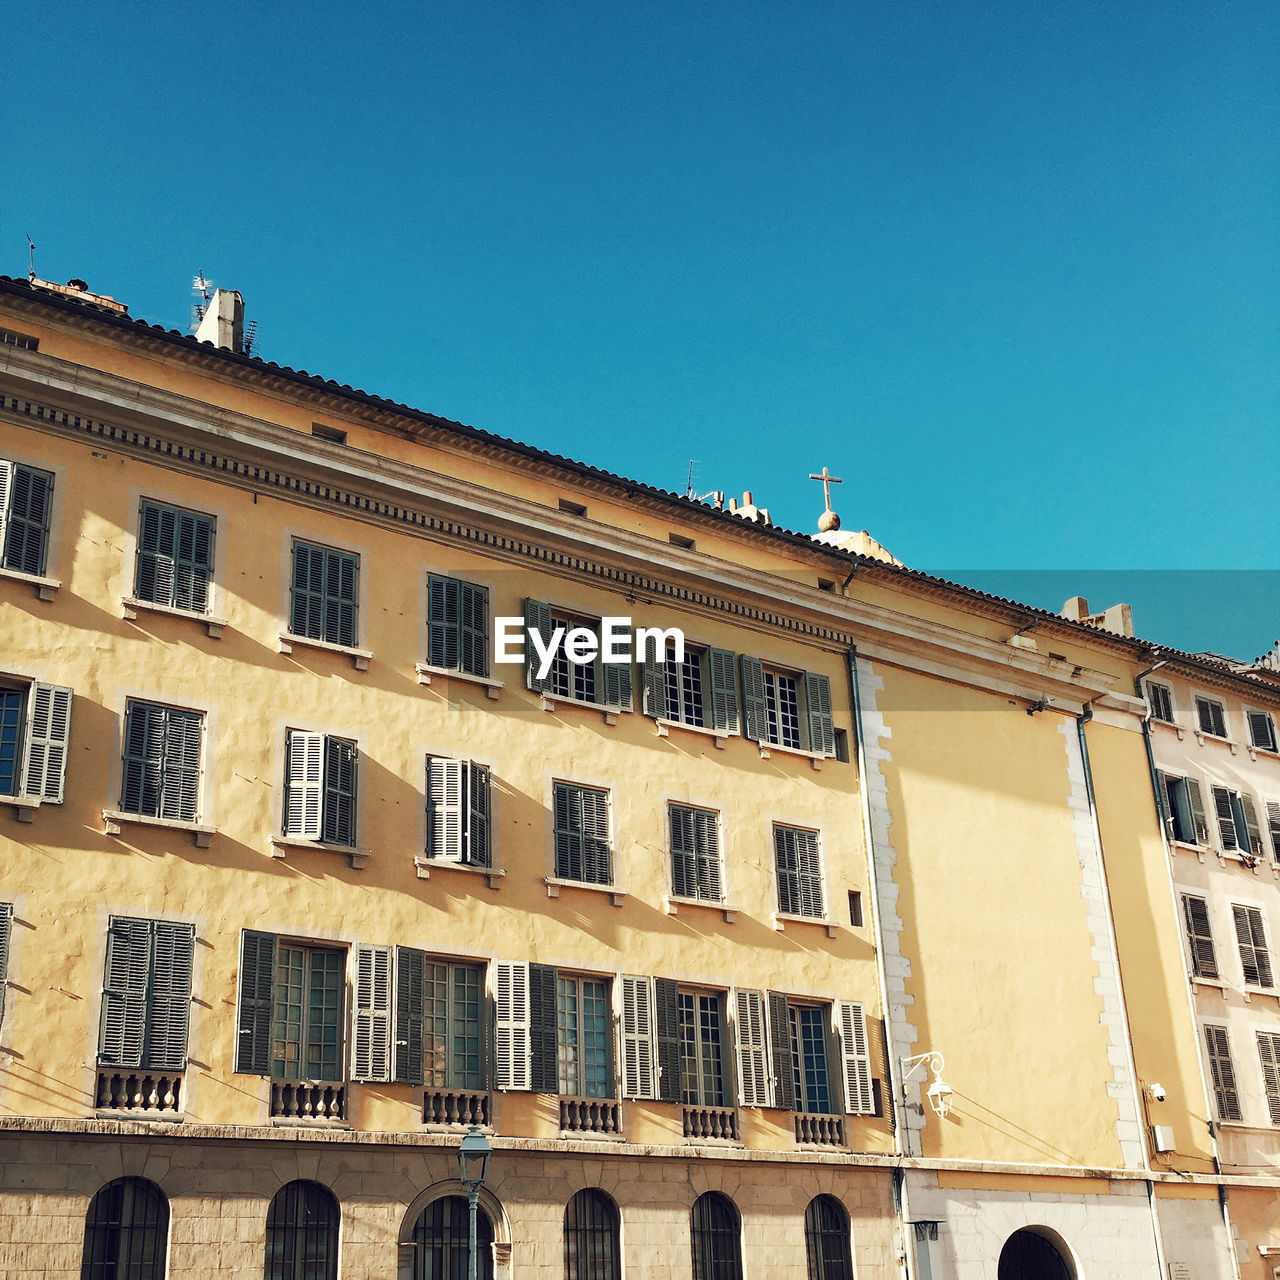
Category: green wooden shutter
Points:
column 616, row 685
column 1195, row 915
column 724, row 690
column 855, row 1056
column 543, row 1065
column 306, row 605
column 341, row 587
column 1226, row 817
column 473, row 656
column 511, row 1041
column 752, row 1044
column 371, row 1048
column 257, row 994
column 48, row 730
column 537, row 617
column 27, row 527
column 180, row 784
column 6, row 928
column 123, row 1023
column 479, row 850
column 1249, row 824
column 339, row 791
column 444, row 621
column 653, row 686
column 1273, row 824
column 784, row 1075
column 192, row 561
column 1197, row 811
column 637, row 1038
column 169, row 995
column 409, row 1027
column 566, row 829
column 304, row 785
column 597, row 863
column 143, row 758
column 6, row 488
column 1162, row 803
column 666, row 1011
column 1269, row 1054
column 1224, row 1076
column 817, row 694
column 753, row 699
column 684, row 858
column 444, row 808
column 154, row 580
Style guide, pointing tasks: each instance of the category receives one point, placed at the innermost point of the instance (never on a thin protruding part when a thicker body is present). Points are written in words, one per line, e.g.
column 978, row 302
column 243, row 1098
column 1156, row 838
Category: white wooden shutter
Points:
column 1252, row 833
column 1196, row 797
column 724, row 690
column 45, row 751
column 511, row 1048
column 6, row 926
column 755, row 716
column 1273, row 825
column 372, row 1047
column 753, row 1062
column 817, row 695
column 446, row 793
column 856, row 1058
column 304, row 792
column 6, row 488
column 637, row 1038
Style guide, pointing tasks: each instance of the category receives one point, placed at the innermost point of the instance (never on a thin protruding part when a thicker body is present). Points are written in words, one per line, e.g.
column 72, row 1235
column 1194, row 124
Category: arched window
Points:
column 591, row 1237
column 826, row 1239
column 715, row 1228
column 1032, row 1255
column 302, row 1233
column 126, row 1232
column 440, row 1239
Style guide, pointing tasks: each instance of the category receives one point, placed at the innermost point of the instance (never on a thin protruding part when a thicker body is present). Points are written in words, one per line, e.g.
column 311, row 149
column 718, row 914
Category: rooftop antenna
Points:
column 714, row 496
column 203, row 289
column 250, row 337
column 31, row 267
column 688, row 488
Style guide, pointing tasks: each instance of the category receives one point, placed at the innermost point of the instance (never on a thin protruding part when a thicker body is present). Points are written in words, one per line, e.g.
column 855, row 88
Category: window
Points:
column 826, row 1239
column 6, row 929
column 812, row 1087
column 320, row 788
column 581, row 818
column 453, row 1032
column 290, row 1019
column 1181, row 807
column 146, row 994
column 715, row 1230
column 175, row 557
column 126, row 1232
column 457, row 626
column 1195, row 916
column 26, row 497
column 1160, row 698
column 695, row 853
column 302, row 1233
column 701, row 691
column 458, row 801
column 325, row 594
column 1252, row 938
column 1237, row 821
column 591, row 1237
column 1262, row 730
column 1211, row 716
column 161, row 762
column 1269, row 1054
column 606, row 684
column 1273, row 825
column 1226, row 1096
column 787, row 708
column 583, row 1024
column 702, row 1075
column 35, row 723
column 441, row 1241
column 799, row 872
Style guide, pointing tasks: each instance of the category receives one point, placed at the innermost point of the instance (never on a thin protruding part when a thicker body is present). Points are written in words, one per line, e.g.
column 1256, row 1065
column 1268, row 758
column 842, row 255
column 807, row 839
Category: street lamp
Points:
column 473, row 1164
column 939, row 1092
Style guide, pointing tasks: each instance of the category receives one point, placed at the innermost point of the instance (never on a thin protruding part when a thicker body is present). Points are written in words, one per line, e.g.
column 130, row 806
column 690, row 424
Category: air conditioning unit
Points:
column 1162, row 1137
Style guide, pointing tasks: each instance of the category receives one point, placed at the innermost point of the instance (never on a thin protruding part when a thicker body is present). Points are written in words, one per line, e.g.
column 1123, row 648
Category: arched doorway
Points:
column 1032, row 1254
column 440, row 1241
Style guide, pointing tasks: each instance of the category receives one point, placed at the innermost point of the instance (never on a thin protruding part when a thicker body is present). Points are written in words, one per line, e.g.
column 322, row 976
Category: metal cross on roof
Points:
column 827, row 481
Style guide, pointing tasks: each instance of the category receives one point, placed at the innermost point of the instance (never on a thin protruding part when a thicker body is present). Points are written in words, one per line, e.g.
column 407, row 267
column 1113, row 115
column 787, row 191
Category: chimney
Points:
column 223, row 322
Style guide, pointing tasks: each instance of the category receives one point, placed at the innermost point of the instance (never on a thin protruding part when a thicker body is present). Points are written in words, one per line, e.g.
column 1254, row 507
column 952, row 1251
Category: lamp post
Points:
column 473, row 1165
column 939, row 1092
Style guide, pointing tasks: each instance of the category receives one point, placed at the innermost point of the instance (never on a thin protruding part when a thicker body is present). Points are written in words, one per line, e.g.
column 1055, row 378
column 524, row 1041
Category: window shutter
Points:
column 1226, row 817
column 444, row 808
column 511, row 983
column 537, row 617
column 1273, row 822
column 180, row 785
column 1249, row 824
column 444, row 621
column 666, row 1009
column 6, row 488
column 339, row 823
column 257, row 992
column 45, row 749
column 340, row 623
column 784, row 1076
column 143, row 754
column 882, row 1082
column 304, row 785
column 753, row 1069
column 637, row 1038
column 706, row 836
column 856, row 1057
column 684, row 860
column 809, row 866
column 1254, row 959
column 565, row 806
column 474, row 633
column 654, row 693
column 155, row 561
column 122, row 1030
column 753, row 703
column 1195, row 913
column 6, row 928
column 1162, row 803
column 479, row 828
column 617, row 685
column 28, row 524
column 371, row 1058
column 193, row 561
column 817, row 693
column 1224, row 1076
column 1197, row 811
column 543, row 1065
column 724, row 690
column 306, row 605
column 409, row 1004
column 169, row 996
column 1262, row 730
column 596, row 861
column 1269, row 1053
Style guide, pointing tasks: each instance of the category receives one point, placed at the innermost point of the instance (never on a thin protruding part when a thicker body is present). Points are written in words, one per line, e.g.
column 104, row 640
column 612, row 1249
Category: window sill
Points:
column 137, row 1117
column 24, row 807
column 783, row 918
column 424, row 867
column 114, row 820
column 721, row 736
column 1171, row 725
column 1268, row 753
column 555, row 884
column 1183, row 846
column 815, row 758
column 492, row 688
column 360, row 658
column 45, row 588
column 1216, row 983
column 280, row 845
column 1202, row 738
column 610, row 714
column 130, row 605
column 1248, row 991
column 673, row 903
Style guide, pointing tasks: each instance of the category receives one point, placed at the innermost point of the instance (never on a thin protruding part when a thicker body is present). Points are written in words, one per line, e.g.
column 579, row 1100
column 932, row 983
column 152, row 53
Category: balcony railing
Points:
column 455, row 1108
column 819, row 1131
column 308, row 1100
column 592, row 1117
column 138, row 1091
column 711, row 1124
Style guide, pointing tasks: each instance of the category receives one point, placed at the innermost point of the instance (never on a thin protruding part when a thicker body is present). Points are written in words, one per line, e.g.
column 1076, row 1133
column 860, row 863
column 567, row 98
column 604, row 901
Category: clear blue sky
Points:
column 1010, row 269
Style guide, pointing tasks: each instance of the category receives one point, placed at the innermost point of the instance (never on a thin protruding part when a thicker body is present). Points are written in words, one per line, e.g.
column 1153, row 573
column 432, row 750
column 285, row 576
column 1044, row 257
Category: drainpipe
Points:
column 893, row 1085
column 1191, row 1008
